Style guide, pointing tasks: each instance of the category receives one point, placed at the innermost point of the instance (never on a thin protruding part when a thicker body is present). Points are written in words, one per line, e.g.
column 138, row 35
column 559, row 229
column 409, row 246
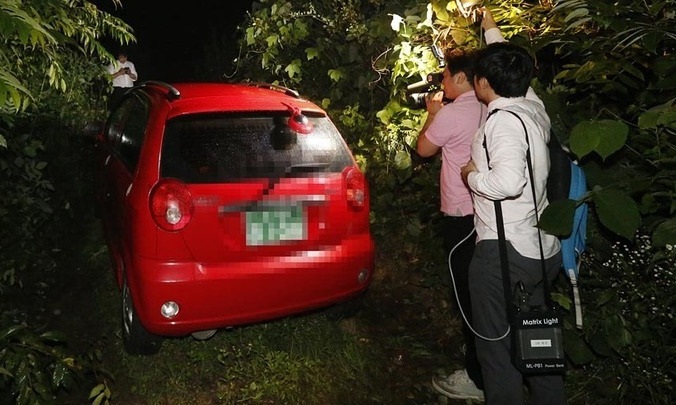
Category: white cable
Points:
column 455, row 290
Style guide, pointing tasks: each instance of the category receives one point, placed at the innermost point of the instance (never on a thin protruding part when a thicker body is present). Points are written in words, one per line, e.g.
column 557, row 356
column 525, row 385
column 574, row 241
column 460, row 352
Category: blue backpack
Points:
column 567, row 181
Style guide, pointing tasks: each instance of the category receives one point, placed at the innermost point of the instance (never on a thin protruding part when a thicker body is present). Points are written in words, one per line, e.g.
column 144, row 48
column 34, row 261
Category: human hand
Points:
column 487, row 21
column 467, row 169
column 434, row 101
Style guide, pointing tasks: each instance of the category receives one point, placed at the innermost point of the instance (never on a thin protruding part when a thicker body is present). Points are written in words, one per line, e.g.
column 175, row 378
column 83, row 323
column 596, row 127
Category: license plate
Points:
column 273, row 226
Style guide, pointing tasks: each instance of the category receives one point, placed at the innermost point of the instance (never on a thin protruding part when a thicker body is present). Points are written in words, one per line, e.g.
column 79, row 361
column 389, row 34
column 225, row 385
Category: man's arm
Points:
column 425, row 147
column 112, row 72
column 132, row 72
column 507, row 176
column 490, row 27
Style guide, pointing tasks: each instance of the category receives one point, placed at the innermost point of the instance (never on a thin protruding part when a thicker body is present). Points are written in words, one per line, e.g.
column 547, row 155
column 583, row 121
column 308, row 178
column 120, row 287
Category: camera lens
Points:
column 417, row 100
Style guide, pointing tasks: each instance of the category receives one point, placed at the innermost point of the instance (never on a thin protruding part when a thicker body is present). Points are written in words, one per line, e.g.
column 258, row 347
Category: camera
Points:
column 416, row 92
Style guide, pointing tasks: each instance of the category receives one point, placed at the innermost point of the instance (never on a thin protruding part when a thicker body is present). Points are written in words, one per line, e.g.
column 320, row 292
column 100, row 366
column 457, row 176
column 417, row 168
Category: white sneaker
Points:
column 458, row 385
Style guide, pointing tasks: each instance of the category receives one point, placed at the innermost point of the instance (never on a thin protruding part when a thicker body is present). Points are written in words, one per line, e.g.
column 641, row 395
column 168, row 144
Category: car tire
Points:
column 137, row 340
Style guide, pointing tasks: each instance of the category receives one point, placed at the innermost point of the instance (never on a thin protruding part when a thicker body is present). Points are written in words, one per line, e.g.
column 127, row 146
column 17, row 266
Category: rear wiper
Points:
column 307, row 168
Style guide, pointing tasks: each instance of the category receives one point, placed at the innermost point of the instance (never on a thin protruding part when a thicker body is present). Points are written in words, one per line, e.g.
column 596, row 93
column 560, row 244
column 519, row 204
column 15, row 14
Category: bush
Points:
column 627, row 349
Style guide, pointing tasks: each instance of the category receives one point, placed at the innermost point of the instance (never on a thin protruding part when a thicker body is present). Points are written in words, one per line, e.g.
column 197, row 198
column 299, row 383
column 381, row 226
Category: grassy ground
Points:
column 407, row 331
column 386, row 354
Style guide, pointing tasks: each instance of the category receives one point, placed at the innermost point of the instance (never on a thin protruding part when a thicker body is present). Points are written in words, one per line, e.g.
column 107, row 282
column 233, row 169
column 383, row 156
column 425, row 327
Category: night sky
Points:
column 171, row 35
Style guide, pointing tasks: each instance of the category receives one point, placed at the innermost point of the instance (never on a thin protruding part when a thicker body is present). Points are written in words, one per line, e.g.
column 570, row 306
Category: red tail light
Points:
column 356, row 188
column 171, row 205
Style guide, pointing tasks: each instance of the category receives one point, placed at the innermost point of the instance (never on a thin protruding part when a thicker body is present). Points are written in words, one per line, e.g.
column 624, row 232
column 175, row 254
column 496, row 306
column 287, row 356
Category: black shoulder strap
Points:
column 502, row 240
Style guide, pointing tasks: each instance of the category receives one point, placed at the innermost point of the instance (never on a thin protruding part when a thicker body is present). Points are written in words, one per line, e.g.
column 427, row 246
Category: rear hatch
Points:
column 259, row 188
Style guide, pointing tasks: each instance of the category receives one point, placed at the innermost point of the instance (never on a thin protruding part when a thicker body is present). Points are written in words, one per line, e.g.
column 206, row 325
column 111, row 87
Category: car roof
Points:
column 188, row 98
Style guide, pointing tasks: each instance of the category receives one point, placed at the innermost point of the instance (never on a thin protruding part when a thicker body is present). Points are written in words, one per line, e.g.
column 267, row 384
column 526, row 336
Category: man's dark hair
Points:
column 458, row 60
column 507, row 67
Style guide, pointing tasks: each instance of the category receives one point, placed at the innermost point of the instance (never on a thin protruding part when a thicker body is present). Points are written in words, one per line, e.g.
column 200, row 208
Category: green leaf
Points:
column 54, row 336
column 250, row 36
column 4, row 371
column 60, row 374
column 618, row 336
column 311, row 53
column 409, row 124
column 576, row 348
column 402, row 160
column 667, row 118
column 604, row 137
column 384, row 116
column 617, row 212
column 663, row 114
column 8, row 332
column 293, row 68
column 557, row 218
column 102, row 395
column 649, row 119
column 576, row 14
column 633, row 71
column 652, row 39
column 96, row 391
column 335, row 74
column 649, row 204
column 563, row 300
column 665, row 233
column 272, row 40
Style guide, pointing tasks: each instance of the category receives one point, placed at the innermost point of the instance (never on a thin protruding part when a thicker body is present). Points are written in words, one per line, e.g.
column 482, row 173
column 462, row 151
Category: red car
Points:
column 227, row 204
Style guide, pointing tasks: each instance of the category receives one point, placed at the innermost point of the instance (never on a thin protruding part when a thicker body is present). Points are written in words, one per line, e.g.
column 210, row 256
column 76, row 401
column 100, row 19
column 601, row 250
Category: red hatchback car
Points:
column 227, row 204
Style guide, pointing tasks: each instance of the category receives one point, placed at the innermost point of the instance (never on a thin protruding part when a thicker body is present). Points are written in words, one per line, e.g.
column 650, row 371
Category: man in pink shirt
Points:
column 451, row 128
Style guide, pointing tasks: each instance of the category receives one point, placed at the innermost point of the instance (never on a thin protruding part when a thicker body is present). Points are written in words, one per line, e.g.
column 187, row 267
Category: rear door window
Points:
column 226, row 147
column 126, row 129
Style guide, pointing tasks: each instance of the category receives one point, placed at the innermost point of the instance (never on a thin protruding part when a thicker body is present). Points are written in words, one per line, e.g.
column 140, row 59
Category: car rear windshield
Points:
column 225, row 147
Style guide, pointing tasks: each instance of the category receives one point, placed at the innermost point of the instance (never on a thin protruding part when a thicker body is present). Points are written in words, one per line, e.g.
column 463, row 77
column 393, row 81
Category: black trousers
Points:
column 454, row 230
column 503, row 382
column 116, row 96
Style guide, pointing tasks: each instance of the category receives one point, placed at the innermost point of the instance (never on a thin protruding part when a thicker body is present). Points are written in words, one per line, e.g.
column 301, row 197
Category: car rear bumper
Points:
column 217, row 295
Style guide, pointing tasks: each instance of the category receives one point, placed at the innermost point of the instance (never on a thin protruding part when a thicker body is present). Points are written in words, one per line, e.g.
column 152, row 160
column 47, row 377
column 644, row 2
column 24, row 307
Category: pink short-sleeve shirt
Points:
column 452, row 130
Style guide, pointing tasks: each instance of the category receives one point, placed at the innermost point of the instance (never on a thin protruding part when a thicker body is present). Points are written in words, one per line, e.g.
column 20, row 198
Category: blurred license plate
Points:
column 274, row 226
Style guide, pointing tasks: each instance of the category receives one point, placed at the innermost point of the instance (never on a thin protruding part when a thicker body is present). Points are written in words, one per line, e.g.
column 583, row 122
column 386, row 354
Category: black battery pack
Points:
column 537, row 341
